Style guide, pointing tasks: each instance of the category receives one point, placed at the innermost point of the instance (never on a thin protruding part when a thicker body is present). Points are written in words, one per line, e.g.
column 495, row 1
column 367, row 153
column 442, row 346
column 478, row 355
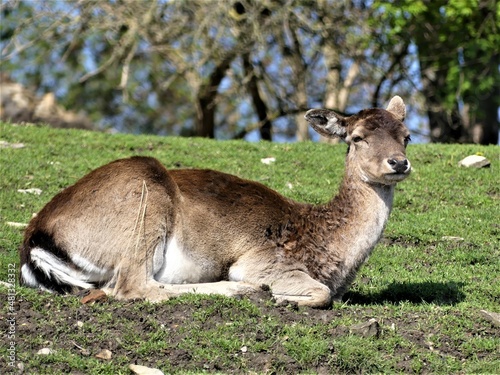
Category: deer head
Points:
column 377, row 140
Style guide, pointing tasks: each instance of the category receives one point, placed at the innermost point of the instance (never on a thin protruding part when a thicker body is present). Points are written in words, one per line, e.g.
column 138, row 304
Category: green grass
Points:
column 426, row 282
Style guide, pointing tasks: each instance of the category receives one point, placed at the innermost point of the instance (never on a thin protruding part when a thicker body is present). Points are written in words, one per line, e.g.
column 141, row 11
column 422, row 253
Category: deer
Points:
column 139, row 231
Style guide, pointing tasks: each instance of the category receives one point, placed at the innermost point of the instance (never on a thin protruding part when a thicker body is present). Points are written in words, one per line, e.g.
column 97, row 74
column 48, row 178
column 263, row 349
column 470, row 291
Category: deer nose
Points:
column 399, row 165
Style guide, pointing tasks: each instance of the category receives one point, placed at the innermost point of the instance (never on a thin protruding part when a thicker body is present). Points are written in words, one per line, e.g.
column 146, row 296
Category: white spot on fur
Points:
column 364, row 176
column 332, row 123
column 53, row 267
column 178, row 268
column 236, row 273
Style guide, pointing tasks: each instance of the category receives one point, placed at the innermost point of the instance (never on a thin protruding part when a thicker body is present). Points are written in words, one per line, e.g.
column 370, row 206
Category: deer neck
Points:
column 356, row 218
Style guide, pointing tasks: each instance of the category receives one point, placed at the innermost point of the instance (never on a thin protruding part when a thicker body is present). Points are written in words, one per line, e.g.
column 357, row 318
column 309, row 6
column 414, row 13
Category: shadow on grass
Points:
column 449, row 293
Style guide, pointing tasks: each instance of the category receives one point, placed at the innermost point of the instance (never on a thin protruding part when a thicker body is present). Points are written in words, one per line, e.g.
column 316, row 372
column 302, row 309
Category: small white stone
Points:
column 35, row 191
column 104, row 354
column 5, row 144
column 475, row 161
column 16, row 225
column 45, row 351
column 143, row 370
column 494, row 318
column 366, row 329
column 452, row 238
column 268, row 160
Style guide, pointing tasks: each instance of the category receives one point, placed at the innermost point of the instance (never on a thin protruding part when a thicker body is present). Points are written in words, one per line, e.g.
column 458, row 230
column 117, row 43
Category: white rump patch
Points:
column 53, row 267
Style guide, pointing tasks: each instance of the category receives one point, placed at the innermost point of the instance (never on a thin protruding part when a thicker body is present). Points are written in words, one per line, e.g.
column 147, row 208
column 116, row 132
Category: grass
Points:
column 426, row 282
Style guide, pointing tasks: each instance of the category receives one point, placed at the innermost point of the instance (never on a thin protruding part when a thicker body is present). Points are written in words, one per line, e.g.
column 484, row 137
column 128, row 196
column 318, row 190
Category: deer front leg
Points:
column 298, row 286
column 286, row 283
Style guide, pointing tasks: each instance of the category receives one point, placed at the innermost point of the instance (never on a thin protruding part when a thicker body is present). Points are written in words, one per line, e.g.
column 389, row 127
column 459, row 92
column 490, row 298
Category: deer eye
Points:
column 407, row 140
column 356, row 139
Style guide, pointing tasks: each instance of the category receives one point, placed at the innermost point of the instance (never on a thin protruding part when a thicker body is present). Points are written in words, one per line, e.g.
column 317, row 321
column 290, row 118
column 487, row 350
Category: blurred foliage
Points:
column 459, row 59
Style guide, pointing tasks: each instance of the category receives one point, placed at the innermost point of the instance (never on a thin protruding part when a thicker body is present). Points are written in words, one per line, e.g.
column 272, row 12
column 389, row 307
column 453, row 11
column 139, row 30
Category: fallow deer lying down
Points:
column 139, row 231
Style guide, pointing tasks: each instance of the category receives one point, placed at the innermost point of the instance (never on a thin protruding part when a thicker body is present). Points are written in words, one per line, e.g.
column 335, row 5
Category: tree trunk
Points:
column 483, row 126
column 258, row 104
column 337, row 90
column 480, row 109
column 475, row 122
column 302, row 125
column 206, row 100
column 293, row 55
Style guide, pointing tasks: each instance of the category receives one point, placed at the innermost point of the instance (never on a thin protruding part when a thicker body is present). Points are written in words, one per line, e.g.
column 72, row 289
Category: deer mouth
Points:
column 398, row 176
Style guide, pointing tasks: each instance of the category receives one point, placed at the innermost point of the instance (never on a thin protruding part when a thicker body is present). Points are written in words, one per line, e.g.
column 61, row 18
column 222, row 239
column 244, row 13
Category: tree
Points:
column 227, row 68
column 152, row 65
column 133, row 62
column 459, row 61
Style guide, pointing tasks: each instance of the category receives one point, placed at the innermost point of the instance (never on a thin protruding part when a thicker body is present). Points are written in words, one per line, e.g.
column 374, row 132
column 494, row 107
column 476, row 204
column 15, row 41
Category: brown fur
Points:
column 140, row 231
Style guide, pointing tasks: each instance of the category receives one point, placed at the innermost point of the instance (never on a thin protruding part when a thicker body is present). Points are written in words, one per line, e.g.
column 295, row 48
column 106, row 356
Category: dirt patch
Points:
column 170, row 336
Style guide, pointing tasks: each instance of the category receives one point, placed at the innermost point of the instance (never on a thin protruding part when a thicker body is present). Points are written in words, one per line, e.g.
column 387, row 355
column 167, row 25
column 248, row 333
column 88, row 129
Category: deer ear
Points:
column 327, row 123
column 397, row 108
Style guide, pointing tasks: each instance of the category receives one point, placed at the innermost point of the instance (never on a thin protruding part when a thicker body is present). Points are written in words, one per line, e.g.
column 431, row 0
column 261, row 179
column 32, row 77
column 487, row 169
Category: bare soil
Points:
column 54, row 324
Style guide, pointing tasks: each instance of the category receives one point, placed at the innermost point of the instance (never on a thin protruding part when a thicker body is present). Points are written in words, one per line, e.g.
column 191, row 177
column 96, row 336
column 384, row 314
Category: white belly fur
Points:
column 177, row 267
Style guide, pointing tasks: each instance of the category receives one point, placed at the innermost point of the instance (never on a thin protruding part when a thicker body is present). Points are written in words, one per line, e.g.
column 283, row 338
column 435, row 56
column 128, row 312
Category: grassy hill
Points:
column 437, row 266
